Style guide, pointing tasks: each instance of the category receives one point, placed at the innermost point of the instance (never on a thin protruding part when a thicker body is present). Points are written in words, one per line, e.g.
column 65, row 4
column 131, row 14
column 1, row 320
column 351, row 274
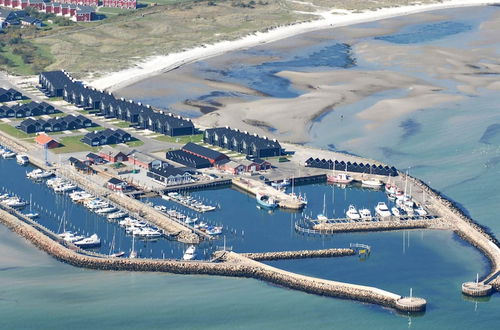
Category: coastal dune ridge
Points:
column 157, row 64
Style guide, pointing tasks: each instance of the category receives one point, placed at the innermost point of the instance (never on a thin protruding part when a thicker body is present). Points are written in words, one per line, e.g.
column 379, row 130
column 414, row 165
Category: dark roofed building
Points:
column 242, row 142
column 53, row 82
column 94, row 159
column 116, row 184
column 107, row 136
column 169, row 175
column 188, row 159
column 211, row 155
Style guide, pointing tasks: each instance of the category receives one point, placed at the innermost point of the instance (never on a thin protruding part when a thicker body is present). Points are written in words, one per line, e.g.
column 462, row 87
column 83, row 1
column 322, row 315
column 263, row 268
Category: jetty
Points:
column 302, row 254
column 228, row 264
column 253, row 187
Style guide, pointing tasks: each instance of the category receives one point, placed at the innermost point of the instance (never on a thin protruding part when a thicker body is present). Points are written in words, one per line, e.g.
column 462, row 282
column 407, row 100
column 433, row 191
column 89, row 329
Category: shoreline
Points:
column 155, row 65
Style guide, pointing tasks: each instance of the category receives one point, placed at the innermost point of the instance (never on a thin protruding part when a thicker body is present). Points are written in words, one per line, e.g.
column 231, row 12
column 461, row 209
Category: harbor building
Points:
column 169, row 175
column 107, row 136
column 242, row 142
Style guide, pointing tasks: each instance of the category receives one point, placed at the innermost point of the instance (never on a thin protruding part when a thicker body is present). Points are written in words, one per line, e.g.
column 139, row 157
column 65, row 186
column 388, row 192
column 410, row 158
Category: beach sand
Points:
column 157, row 64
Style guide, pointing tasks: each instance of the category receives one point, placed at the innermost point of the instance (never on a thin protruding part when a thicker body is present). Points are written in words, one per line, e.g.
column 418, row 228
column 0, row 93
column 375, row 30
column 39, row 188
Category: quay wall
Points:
column 232, row 265
column 303, row 254
column 373, row 226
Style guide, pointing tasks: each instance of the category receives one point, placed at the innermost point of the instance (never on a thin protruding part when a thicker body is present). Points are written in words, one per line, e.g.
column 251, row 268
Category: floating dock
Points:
column 253, row 186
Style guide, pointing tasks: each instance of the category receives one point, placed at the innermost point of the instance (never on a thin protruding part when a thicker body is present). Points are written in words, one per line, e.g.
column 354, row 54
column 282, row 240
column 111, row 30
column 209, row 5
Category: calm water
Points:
column 455, row 148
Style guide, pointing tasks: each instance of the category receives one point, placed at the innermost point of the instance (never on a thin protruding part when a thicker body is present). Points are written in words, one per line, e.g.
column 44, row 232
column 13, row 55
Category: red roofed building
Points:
column 44, row 139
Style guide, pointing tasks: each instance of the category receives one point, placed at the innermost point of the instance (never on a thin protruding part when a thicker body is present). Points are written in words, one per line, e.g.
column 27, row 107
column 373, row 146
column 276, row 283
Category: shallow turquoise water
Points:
column 442, row 147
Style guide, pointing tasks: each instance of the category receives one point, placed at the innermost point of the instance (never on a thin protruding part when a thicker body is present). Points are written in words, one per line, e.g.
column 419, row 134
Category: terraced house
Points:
column 242, row 142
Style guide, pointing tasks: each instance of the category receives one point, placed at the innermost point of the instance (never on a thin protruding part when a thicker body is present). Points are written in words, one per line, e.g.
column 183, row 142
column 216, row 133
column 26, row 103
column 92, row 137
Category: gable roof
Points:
column 43, row 139
column 202, row 151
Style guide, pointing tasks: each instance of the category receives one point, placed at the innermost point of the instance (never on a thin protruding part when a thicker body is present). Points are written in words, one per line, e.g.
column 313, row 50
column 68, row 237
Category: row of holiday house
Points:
column 60, row 84
column 78, row 12
column 107, row 136
column 351, row 167
column 42, row 5
column 27, row 110
column 69, row 122
column 7, row 95
column 242, row 142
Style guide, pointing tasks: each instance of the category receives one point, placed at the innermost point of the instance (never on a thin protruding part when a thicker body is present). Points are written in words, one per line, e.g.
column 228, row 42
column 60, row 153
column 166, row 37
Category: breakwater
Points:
column 231, row 264
column 331, row 228
column 303, row 254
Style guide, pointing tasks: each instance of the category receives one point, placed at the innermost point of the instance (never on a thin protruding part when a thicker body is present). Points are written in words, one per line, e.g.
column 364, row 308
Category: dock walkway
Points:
column 253, row 186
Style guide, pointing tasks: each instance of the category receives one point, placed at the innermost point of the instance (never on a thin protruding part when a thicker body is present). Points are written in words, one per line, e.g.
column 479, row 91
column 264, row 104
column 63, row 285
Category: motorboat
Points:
column 65, row 188
column 70, row 237
column 95, row 204
column 214, row 230
column 391, row 188
column 382, row 210
column 190, row 253
column 117, row 215
column 281, row 184
column 32, row 215
column 80, row 196
column 190, row 220
column 39, row 174
column 365, row 214
column 14, row 202
column 352, row 213
column 372, row 183
column 266, row 201
column 89, row 242
column 341, row 178
column 22, row 159
column 8, row 154
column 104, row 210
column 399, row 212
column 421, row 211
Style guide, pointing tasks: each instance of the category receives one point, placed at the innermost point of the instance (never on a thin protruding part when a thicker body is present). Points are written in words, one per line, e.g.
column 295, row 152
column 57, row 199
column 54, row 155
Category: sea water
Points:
column 445, row 148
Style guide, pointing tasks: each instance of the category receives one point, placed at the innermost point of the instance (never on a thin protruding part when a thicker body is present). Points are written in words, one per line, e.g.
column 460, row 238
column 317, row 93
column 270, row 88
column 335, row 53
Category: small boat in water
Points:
column 117, row 215
column 8, row 154
column 213, row 230
column 398, row 211
column 70, row 237
column 281, row 184
column 365, row 214
column 22, row 159
column 382, row 210
column 39, row 174
column 190, row 253
column 372, row 183
column 89, row 242
column 352, row 213
column 341, row 178
column 421, row 211
column 14, row 202
column 266, row 201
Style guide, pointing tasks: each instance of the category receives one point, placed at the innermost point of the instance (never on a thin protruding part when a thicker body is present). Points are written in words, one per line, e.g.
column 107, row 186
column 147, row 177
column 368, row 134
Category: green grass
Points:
column 136, row 143
column 12, row 131
column 72, row 144
column 121, row 124
column 95, row 128
column 56, row 98
column 112, row 11
column 52, row 115
column 18, row 64
column 197, row 138
column 25, row 101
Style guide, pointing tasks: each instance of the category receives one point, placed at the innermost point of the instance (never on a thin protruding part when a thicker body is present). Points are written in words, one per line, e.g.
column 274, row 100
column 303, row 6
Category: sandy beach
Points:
column 157, row 64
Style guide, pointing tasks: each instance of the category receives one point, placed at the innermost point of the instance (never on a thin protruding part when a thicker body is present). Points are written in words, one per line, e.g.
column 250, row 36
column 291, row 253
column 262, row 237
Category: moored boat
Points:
column 22, row 159
column 352, row 213
column 190, row 253
column 89, row 242
column 365, row 214
column 266, row 201
column 341, row 178
column 382, row 210
column 39, row 174
column 372, row 183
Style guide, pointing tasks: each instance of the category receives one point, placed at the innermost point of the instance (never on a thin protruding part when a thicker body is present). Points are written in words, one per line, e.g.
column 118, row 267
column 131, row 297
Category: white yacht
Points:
column 352, row 213
column 117, row 215
column 8, row 154
column 382, row 210
column 70, row 237
column 190, row 253
column 38, row 174
column 22, row 159
column 421, row 211
column 108, row 209
column 89, row 242
column 365, row 214
column 372, row 183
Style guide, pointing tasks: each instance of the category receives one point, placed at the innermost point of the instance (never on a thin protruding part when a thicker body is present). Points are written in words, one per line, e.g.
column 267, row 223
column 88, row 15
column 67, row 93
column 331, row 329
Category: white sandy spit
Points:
column 154, row 65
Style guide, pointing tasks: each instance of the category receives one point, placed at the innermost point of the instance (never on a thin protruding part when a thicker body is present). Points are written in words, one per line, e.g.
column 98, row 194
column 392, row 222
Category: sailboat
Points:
column 342, row 178
column 322, row 216
column 67, row 236
column 112, row 247
column 133, row 254
column 31, row 214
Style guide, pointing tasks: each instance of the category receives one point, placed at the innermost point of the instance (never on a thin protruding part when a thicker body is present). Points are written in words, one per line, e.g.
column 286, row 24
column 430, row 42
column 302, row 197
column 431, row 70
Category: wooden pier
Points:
column 253, row 186
column 217, row 183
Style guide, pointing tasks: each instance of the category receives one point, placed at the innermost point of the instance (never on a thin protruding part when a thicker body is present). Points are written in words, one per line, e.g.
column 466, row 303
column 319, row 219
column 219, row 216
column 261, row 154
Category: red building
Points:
column 45, row 140
column 117, row 184
column 211, row 155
